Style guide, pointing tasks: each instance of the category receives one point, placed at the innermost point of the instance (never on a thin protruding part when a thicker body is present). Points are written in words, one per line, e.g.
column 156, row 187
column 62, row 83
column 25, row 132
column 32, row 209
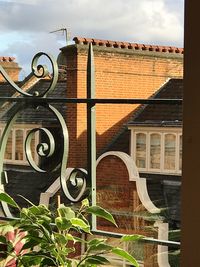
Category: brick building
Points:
column 122, row 70
column 11, row 67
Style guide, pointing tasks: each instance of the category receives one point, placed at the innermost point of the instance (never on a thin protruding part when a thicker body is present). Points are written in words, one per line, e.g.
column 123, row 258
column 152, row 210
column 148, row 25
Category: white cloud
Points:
column 25, row 25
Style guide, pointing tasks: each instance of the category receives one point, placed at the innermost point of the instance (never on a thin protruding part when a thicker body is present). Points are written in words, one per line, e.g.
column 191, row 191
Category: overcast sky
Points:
column 25, row 24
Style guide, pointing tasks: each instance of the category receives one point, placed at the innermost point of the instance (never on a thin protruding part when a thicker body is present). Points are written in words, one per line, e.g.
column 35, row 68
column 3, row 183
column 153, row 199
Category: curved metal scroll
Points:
column 47, row 148
column 40, row 71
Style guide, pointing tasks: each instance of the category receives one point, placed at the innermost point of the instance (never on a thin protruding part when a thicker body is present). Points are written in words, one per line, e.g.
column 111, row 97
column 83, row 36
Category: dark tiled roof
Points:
column 164, row 192
column 159, row 114
column 172, row 196
column 127, row 45
column 29, row 184
column 6, row 90
column 31, row 115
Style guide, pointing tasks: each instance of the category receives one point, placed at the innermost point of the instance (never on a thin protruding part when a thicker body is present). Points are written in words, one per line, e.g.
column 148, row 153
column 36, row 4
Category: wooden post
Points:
column 190, row 230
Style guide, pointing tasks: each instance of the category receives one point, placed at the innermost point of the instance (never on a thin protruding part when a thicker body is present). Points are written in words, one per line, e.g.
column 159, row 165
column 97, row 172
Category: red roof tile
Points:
column 7, row 59
column 126, row 45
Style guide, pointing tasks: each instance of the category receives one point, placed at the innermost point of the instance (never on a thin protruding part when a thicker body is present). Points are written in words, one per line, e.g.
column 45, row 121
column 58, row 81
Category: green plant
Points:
column 40, row 239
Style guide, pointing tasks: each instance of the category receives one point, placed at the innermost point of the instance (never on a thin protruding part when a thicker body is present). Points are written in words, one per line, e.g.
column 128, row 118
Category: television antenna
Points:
column 65, row 32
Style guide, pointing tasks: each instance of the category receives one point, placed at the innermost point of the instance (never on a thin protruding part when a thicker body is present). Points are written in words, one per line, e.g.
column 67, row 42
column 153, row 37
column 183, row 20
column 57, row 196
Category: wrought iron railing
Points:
column 46, row 149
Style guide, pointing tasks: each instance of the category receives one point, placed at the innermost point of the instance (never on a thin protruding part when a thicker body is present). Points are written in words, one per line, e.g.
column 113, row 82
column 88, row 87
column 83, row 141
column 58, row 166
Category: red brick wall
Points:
column 12, row 68
column 120, row 73
column 116, row 194
column 119, row 195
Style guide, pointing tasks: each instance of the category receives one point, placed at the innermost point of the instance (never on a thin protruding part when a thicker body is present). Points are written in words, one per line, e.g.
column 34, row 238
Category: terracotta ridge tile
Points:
column 127, row 45
column 7, row 59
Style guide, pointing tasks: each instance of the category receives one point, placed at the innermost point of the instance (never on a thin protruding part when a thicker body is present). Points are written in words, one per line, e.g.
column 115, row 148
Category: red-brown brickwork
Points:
column 120, row 73
column 12, row 68
column 118, row 195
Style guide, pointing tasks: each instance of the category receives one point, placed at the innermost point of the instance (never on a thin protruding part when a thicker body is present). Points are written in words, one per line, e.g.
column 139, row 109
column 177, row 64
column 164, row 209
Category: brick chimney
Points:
column 11, row 67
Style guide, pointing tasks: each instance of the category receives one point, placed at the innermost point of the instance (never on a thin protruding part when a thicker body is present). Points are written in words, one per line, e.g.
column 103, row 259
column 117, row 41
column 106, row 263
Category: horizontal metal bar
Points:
column 145, row 239
column 8, row 218
column 92, row 101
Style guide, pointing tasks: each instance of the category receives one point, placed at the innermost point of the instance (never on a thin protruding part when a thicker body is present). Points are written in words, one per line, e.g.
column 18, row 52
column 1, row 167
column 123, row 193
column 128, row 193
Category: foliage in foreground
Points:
column 38, row 238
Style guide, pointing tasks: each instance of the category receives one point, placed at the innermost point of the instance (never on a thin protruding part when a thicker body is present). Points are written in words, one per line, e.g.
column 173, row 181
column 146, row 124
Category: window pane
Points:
column 141, row 150
column 19, row 145
column 170, row 148
column 155, row 148
column 8, row 153
column 180, row 152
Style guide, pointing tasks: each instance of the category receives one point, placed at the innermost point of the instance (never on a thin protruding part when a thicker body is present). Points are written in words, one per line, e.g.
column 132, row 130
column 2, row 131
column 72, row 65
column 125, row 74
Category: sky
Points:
column 26, row 24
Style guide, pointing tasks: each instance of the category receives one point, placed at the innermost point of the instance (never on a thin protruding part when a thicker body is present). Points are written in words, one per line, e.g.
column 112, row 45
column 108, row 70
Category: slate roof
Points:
column 40, row 115
column 6, row 90
column 159, row 114
column 164, row 191
column 28, row 184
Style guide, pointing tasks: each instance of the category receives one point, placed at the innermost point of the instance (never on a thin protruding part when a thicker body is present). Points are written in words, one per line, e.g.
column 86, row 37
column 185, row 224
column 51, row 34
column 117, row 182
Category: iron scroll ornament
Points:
column 45, row 149
column 39, row 71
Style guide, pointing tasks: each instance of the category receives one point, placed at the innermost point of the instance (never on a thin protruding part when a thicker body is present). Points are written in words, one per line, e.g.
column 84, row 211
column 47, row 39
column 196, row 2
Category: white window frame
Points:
column 24, row 128
column 149, row 150
column 177, row 131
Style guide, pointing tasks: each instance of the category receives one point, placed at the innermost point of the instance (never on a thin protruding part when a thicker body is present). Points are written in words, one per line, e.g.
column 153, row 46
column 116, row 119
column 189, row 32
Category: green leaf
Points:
column 132, row 237
column 9, row 200
column 99, row 260
column 30, row 261
column 40, row 210
column 79, row 240
column 62, row 223
column 10, row 247
column 3, row 239
column 34, row 258
column 96, row 241
column 60, row 238
column 70, row 237
column 100, row 212
column 47, row 262
column 125, row 255
column 66, row 212
column 31, row 242
column 81, row 224
column 5, row 228
column 100, row 247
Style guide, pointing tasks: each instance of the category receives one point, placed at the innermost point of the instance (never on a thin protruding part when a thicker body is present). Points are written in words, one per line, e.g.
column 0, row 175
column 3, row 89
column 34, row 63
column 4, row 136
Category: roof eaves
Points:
column 127, row 45
column 157, row 124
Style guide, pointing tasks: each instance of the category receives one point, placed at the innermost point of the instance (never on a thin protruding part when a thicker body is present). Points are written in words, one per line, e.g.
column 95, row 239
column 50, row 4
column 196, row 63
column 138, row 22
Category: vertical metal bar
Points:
column 91, row 129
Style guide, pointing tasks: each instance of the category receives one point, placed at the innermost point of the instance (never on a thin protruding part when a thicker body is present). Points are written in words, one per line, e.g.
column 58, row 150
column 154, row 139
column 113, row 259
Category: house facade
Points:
column 122, row 70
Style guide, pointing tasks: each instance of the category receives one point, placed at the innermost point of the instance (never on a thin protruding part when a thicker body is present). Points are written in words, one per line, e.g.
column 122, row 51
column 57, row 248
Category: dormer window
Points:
column 157, row 150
